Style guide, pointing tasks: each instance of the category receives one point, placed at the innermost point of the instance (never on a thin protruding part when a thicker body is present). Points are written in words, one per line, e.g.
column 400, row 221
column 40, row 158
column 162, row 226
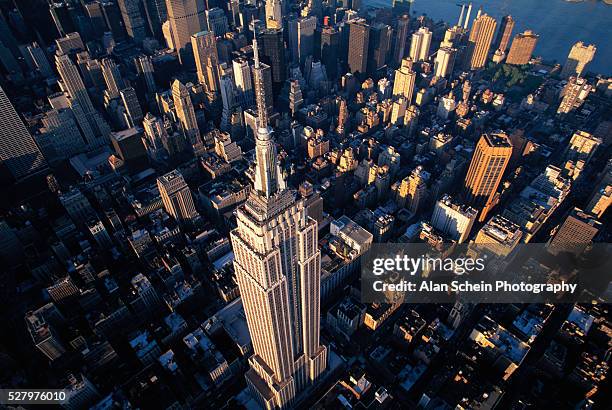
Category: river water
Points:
column 559, row 23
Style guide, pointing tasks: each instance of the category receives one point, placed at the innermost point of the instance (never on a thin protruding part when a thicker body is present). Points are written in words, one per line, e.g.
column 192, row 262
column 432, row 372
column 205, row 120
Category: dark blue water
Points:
column 559, row 23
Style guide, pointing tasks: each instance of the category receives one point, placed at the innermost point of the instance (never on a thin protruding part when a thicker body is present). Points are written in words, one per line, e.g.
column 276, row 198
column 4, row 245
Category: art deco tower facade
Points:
column 278, row 268
column 176, row 197
column 480, row 40
column 204, row 45
column 486, row 170
column 185, row 112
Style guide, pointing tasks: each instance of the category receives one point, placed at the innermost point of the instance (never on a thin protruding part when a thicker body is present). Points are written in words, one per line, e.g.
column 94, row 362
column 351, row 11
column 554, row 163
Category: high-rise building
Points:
column 112, row 77
column 489, row 162
column 216, row 21
column 60, row 127
column 156, row 14
column 18, row 151
column 302, row 38
column 574, row 94
column 403, row 84
column 144, row 65
column 243, row 81
column 274, row 14
column 185, row 112
column 278, row 272
column 44, row 336
column 132, row 19
column 70, row 43
column 113, row 20
column 40, row 60
column 204, row 45
column 330, row 47
column 401, row 34
column 132, row 107
column 445, row 61
column 453, row 218
column 579, row 56
column 378, row 49
column 419, row 47
column 522, row 48
column 72, row 82
column 176, row 197
column 154, row 133
column 359, row 39
column 416, row 189
column 272, row 52
column 503, row 35
column 479, row 42
column 575, row 234
column 186, row 17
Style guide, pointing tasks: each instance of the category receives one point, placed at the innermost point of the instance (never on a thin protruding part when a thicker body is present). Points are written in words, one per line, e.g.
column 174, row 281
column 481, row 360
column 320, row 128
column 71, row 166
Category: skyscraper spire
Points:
column 268, row 179
column 262, row 115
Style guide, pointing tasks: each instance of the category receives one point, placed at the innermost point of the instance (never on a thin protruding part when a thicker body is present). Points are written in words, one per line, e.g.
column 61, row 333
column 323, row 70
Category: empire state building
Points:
column 278, row 268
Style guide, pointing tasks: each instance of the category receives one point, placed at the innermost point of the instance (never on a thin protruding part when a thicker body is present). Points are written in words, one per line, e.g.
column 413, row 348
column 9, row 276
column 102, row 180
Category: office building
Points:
column 522, row 48
column 70, row 43
column 18, row 151
column 274, row 14
column 486, row 170
column 359, row 39
column 129, row 146
column 479, row 42
column 216, row 21
column 419, row 47
column 579, row 57
column 272, row 52
column 378, row 49
column 132, row 19
column 204, row 45
column 453, row 218
column 112, row 77
column 280, row 288
column 330, row 47
column 61, row 132
column 504, row 33
column 403, row 84
column 40, row 60
column 176, row 197
column 133, row 112
column 185, row 17
column 401, row 35
column 144, row 65
column 243, row 81
column 575, row 234
column 302, row 38
column 185, row 113
column 44, row 336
